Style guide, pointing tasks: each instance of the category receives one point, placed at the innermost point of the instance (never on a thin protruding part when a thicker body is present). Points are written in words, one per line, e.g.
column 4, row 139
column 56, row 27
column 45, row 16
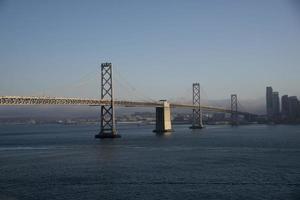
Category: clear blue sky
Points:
column 160, row 47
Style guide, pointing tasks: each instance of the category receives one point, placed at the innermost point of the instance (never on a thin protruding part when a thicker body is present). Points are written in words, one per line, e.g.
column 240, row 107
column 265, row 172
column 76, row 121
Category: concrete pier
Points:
column 163, row 118
column 197, row 120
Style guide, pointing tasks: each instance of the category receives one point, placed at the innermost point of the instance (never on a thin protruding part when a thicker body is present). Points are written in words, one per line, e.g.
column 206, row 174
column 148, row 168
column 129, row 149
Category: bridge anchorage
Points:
column 197, row 113
column 108, row 126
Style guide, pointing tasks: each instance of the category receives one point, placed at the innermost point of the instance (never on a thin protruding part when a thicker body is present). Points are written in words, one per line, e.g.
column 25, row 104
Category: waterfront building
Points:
column 276, row 107
column 284, row 106
column 293, row 108
column 298, row 111
column 269, row 102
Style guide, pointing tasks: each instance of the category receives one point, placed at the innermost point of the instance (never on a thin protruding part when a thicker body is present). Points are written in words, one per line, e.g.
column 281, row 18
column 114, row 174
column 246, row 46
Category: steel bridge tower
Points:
column 107, row 129
column 197, row 114
column 234, row 110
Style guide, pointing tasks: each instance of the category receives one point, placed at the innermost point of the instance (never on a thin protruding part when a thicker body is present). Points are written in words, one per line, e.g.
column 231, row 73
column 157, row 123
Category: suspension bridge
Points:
column 108, row 103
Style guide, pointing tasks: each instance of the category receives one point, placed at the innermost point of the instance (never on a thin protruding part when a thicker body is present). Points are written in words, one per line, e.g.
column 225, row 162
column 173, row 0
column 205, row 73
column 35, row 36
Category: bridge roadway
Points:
column 22, row 100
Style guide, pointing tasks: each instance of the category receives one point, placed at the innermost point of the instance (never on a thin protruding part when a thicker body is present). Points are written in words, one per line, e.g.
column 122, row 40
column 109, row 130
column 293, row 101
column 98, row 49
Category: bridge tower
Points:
column 234, row 110
column 107, row 129
column 197, row 114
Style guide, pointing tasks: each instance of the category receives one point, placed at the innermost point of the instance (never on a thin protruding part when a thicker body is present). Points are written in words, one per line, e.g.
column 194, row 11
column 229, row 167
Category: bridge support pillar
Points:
column 234, row 110
column 197, row 114
column 163, row 118
column 107, row 129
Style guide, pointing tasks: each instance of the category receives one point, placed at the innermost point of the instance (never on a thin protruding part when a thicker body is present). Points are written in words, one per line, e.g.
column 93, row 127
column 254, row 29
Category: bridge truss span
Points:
column 22, row 100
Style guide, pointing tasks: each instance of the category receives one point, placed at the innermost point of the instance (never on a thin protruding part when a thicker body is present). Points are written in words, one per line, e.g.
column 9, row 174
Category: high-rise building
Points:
column 293, row 108
column 276, row 105
column 298, row 112
column 285, row 106
column 269, row 102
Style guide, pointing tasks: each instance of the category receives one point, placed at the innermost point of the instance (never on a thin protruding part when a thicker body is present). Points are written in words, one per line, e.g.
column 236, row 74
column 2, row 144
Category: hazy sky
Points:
column 160, row 47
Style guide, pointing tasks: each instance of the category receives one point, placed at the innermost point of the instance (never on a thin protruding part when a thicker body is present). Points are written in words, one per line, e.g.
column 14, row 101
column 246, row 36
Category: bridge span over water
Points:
column 34, row 100
column 107, row 104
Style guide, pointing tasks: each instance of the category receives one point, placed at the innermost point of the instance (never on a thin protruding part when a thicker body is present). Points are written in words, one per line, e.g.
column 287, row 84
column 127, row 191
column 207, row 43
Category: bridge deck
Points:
column 21, row 100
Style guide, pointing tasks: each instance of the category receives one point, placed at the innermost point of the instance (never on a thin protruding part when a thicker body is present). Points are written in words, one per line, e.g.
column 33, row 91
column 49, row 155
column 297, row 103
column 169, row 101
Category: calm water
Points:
column 219, row 162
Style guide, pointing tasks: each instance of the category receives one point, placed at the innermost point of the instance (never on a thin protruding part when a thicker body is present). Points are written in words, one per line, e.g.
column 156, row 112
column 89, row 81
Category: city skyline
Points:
column 161, row 50
column 284, row 109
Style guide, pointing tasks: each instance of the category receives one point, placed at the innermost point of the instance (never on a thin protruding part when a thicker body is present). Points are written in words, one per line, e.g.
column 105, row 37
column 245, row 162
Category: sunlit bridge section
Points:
column 21, row 100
